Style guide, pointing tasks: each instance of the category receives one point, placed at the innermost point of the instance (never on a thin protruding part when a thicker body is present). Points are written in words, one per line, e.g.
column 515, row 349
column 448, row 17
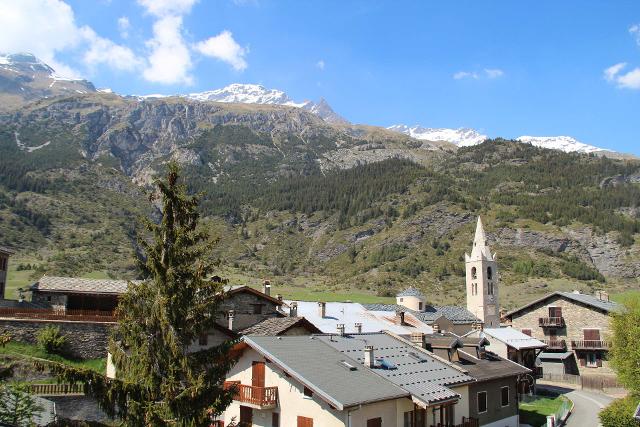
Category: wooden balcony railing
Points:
column 555, row 344
column 556, row 322
column 51, row 314
column 466, row 422
column 264, row 397
column 590, row 344
column 56, row 389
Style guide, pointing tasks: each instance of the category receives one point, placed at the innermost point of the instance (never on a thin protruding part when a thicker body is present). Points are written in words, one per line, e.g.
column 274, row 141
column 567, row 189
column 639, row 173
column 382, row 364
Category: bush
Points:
column 577, row 269
column 51, row 340
column 620, row 413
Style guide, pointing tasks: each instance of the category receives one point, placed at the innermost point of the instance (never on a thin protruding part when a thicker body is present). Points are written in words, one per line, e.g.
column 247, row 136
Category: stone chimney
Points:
column 293, row 309
column 358, row 328
column 230, row 315
column 417, row 339
column 266, row 287
column 602, row 295
column 322, row 309
column 400, row 317
column 340, row 328
column 369, row 361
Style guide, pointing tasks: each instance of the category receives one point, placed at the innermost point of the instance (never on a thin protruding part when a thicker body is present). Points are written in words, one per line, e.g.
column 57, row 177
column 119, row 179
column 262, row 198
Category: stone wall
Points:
column 576, row 317
column 243, row 303
column 85, row 340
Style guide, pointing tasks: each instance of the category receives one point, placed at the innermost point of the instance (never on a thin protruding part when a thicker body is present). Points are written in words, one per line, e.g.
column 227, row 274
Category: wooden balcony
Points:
column 551, row 322
column 66, row 315
column 555, row 344
column 590, row 345
column 255, row 397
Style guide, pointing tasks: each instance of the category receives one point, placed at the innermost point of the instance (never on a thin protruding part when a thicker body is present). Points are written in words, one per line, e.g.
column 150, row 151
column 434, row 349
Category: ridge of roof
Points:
column 607, row 306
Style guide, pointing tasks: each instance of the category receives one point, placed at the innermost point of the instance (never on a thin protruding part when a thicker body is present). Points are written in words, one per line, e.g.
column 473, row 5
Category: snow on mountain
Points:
column 461, row 137
column 562, row 143
column 258, row 94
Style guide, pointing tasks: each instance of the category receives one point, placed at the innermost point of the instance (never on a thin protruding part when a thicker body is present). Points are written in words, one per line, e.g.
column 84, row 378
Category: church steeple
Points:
column 482, row 280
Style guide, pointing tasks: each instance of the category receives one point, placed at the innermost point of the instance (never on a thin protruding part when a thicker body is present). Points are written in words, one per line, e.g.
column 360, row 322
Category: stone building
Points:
column 575, row 327
column 5, row 253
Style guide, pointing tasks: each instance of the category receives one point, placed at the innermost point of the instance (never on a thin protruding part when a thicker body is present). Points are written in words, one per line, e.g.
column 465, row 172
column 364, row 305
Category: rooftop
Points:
column 79, row 285
column 411, row 292
column 418, row 371
column 7, row 251
column 456, row 314
column 348, row 314
column 326, row 371
column 278, row 326
column 513, row 338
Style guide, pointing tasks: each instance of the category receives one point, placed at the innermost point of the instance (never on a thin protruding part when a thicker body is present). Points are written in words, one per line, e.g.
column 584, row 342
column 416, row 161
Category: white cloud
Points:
column 163, row 8
column 47, row 27
column 628, row 80
column 123, row 27
column 224, row 48
column 494, row 73
column 465, row 75
column 320, row 64
column 634, row 30
column 104, row 51
column 170, row 59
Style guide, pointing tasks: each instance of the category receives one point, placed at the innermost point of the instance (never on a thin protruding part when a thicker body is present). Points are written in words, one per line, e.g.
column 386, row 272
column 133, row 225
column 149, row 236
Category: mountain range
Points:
column 303, row 198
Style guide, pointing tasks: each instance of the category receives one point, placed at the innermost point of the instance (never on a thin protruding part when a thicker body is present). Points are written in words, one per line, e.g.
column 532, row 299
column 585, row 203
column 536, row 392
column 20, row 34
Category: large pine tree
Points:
column 159, row 381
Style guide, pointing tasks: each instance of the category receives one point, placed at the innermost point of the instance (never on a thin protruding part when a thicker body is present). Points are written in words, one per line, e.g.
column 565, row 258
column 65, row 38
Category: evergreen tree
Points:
column 159, row 381
column 17, row 406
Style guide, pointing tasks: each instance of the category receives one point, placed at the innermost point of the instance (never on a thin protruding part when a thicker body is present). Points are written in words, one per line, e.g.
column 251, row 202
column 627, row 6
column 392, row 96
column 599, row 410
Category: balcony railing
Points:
column 555, row 344
column 590, row 344
column 546, row 322
column 261, row 397
column 51, row 314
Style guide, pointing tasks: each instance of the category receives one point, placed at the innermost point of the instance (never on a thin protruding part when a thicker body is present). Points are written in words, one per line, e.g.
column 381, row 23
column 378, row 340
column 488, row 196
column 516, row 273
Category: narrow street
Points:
column 587, row 405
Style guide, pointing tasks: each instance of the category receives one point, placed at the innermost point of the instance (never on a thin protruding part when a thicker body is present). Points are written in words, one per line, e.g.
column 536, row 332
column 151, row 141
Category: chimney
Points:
column 369, row 361
column 293, row 309
column 477, row 326
column 322, row 309
column 358, row 328
column 279, row 297
column 266, row 287
column 417, row 339
column 400, row 317
column 602, row 295
column 230, row 315
column 340, row 327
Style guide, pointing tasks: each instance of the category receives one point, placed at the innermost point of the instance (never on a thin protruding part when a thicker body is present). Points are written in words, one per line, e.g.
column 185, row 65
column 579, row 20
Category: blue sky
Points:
column 505, row 68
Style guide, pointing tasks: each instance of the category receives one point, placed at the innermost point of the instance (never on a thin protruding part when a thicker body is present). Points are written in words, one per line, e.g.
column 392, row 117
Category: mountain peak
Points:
column 462, row 137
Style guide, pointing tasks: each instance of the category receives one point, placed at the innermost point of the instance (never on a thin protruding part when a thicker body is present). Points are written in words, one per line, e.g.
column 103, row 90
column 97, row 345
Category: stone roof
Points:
column 6, row 250
column 454, row 313
column 490, row 367
column 589, row 300
column 278, row 326
column 410, row 292
column 79, row 285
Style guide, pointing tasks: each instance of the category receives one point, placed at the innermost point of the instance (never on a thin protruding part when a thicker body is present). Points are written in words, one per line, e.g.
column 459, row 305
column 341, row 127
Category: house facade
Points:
column 5, row 254
column 574, row 326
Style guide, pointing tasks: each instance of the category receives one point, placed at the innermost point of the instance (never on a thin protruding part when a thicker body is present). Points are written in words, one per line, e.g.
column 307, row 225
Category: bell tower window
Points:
column 474, row 273
column 489, row 273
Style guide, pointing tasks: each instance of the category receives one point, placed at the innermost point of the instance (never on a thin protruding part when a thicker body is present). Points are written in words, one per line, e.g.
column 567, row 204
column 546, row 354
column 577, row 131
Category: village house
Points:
column 5, row 253
column 575, row 328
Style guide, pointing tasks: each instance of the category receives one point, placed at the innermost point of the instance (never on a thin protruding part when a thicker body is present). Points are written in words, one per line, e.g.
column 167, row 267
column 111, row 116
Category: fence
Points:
column 50, row 314
column 588, row 382
column 56, row 389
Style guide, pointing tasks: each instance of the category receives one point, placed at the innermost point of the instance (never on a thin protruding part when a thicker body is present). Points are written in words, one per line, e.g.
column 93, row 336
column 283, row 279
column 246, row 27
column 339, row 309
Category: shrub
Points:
column 51, row 340
column 620, row 413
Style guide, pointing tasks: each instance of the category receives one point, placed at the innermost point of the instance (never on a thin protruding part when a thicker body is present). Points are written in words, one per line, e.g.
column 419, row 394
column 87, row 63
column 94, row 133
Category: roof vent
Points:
column 348, row 365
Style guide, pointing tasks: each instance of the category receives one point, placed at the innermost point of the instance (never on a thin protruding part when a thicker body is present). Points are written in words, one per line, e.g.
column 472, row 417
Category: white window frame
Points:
column 508, row 396
column 486, row 402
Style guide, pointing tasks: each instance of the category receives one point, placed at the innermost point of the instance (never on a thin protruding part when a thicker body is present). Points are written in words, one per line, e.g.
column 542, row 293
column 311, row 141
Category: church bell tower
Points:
column 482, row 280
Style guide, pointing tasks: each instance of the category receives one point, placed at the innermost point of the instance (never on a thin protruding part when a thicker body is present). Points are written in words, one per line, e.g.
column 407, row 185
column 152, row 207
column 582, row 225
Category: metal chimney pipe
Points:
column 230, row 316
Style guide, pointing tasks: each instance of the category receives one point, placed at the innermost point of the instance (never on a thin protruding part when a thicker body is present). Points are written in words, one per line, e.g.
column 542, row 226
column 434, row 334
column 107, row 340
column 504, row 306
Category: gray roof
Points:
column 6, row 250
column 555, row 356
column 590, row 300
column 278, row 326
column 411, row 292
column 78, row 285
column 454, row 313
column 321, row 368
column 417, row 371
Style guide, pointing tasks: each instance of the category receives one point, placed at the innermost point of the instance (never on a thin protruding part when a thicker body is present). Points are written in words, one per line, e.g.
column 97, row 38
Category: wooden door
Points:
column 305, row 422
column 246, row 416
column 257, row 374
column 374, row 422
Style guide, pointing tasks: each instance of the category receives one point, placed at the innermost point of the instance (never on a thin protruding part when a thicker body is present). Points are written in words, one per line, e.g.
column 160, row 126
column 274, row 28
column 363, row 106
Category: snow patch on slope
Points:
column 461, row 137
column 562, row 143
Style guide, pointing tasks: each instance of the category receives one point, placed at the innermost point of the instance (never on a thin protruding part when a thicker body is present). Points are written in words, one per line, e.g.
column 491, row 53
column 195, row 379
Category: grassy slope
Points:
column 535, row 413
column 27, row 351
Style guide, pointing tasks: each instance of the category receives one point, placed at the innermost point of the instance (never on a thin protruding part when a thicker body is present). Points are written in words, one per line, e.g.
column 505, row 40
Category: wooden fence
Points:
column 56, row 389
column 51, row 314
column 588, row 382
